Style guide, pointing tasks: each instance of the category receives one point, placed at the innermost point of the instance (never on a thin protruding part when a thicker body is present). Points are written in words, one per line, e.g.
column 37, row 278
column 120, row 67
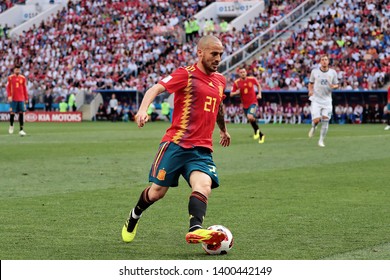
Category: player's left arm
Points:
column 225, row 137
column 334, row 86
column 335, row 82
column 25, row 90
column 9, row 90
column 259, row 95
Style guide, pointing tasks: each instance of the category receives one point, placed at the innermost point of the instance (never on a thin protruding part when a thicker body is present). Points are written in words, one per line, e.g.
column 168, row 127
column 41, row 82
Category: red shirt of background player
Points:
column 247, row 90
column 16, row 88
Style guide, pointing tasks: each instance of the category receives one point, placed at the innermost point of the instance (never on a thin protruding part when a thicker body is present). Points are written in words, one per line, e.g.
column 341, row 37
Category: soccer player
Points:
column 245, row 86
column 113, row 108
column 322, row 81
column 388, row 110
column 18, row 97
column 186, row 147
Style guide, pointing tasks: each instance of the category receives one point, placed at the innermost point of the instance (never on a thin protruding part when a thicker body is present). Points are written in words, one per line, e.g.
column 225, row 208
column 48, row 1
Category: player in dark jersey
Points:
column 17, row 96
column 186, row 147
column 245, row 86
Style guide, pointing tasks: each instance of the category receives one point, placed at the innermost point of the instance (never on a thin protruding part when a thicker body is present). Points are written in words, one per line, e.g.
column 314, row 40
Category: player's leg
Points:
column 251, row 116
column 11, row 117
column 316, row 118
column 388, row 117
column 165, row 172
column 202, row 177
column 197, row 206
column 21, row 108
column 148, row 197
column 326, row 114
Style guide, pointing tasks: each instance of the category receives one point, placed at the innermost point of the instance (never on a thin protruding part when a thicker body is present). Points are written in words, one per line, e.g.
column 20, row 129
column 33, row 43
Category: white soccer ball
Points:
column 222, row 248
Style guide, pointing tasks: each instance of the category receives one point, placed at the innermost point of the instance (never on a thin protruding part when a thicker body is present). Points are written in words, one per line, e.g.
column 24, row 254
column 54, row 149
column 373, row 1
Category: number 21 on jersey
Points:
column 209, row 105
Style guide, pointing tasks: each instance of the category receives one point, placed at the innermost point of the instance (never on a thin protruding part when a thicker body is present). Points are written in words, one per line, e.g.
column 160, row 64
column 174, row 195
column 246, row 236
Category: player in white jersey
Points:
column 322, row 81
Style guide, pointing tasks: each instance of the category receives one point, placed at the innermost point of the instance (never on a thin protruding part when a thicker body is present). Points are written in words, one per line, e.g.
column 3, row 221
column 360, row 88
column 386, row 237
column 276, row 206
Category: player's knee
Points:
column 156, row 192
column 250, row 118
column 204, row 187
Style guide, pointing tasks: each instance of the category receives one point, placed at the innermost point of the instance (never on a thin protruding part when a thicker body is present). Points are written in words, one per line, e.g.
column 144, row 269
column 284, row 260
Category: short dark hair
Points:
column 324, row 54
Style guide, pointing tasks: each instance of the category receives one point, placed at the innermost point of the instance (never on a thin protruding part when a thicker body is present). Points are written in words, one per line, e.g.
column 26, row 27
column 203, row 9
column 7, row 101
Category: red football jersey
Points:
column 388, row 95
column 196, row 105
column 247, row 90
column 16, row 88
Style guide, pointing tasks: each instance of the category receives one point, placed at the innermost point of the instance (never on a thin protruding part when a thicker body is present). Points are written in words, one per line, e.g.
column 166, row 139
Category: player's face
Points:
column 242, row 73
column 324, row 62
column 211, row 57
column 16, row 71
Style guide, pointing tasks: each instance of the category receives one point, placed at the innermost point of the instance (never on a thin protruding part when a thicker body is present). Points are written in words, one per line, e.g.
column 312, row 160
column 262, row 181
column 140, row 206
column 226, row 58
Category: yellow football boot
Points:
column 207, row 236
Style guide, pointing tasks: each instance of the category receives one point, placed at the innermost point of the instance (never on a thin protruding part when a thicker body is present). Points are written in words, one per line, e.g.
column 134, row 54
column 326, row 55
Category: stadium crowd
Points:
column 356, row 34
column 111, row 44
column 6, row 4
column 118, row 44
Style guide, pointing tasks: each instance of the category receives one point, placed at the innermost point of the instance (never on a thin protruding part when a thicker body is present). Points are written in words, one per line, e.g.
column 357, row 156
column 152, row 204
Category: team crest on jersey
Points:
column 211, row 84
column 220, row 88
column 161, row 174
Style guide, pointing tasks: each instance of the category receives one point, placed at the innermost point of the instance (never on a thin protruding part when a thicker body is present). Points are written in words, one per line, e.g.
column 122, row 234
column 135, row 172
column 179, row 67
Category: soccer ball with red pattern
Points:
column 222, row 248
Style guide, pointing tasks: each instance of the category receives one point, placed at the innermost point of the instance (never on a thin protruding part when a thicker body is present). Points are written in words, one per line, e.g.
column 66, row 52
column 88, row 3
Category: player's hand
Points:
column 334, row 86
column 259, row 95
column 141, row 118
column 225, row 138
column 9, row 99
column 310, row 93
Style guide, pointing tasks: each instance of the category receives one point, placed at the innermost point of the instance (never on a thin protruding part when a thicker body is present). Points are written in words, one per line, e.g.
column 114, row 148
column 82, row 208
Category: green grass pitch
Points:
column 66, row 189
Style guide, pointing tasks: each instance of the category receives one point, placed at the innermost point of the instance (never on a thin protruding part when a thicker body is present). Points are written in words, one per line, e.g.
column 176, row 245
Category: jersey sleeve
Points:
column 176, row 81
column 311, row 80
column 335, row 80
column 255, row 82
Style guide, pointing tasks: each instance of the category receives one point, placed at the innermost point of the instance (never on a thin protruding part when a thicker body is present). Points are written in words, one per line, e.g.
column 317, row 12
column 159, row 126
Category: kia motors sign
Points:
column 46, row 116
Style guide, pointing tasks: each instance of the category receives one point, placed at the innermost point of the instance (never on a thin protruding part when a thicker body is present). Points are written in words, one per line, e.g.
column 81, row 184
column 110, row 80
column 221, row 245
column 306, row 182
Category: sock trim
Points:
column 134, row 216
column 195, row 227
column 199, row 196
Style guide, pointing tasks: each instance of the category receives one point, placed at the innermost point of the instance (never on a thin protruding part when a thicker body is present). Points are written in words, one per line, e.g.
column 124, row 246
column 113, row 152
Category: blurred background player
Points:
column 18, row 97
column 388, row 110
column 322, row 81
column 113, row 108
column 245, row 86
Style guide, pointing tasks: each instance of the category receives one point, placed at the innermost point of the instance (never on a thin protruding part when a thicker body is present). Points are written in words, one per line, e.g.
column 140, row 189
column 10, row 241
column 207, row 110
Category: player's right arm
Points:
column 311, row 89
column 142, row 117
column 9, row 89
column 311, row 84
column 257, row 83
column 235, row 90
column 25, row 90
